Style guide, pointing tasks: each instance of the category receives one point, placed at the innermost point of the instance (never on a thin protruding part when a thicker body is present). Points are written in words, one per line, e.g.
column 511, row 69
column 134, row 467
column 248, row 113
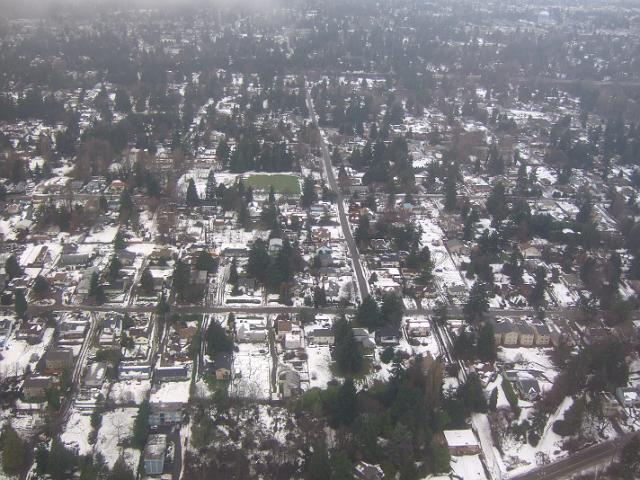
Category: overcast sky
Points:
column 13, row 8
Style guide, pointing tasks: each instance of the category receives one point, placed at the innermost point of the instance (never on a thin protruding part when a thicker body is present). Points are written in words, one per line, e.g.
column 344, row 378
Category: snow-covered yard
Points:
column 319, row 361
column 129, row 391
column 18, row 354
column 76, row 433
column 251, row 372
column 116, row 428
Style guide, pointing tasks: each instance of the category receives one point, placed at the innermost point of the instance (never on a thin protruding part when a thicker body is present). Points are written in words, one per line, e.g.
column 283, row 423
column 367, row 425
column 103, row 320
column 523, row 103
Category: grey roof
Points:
column 321, row 332
column 156, row 446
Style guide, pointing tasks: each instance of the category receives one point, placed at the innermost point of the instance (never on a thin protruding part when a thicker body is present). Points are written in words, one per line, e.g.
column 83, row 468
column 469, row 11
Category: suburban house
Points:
column 288, row 382
column 528, row 388
column 509, row 333
column 542, row 335
column 321, row 336
column 96, row 373
column 461, row 442
column 366, row 471
column 221, row 366
column 35, row 388
column 388, row 336
column 628, row 397
column 154, row 454
column 609, row 404
column 58, row 360
column 165, row 413
column 172, row 373
column 275, row 245
column 417, row 327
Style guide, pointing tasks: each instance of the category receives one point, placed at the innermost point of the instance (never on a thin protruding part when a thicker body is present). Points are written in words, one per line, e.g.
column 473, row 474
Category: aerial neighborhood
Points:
column 301, row 241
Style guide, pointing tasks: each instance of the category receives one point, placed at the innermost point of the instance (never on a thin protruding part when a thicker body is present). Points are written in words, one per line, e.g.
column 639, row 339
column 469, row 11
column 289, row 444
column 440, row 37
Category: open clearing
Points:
column 282, row 183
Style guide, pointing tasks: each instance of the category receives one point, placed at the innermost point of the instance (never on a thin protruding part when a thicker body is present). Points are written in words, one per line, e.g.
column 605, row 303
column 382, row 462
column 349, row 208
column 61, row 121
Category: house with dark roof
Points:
column 35, row 388
column 388, row 336
column 58, row 360
column 528, row 388
column 221, row 365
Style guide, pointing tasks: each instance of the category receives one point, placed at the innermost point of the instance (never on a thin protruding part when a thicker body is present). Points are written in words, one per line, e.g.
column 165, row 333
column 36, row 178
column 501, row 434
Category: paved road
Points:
column 363, row 286
column 454, row 311
column 598, row 455
column 78, row 369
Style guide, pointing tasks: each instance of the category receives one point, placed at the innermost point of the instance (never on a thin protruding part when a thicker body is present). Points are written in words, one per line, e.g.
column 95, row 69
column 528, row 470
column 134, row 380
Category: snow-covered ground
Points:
column 76, row 433
column 106, row 235
column 129, row 391
column 468, row 467
column 171, row 392
column 522, row 456
column 251, row 372
column 18, row 354
column 116, row 429
column 319, row 361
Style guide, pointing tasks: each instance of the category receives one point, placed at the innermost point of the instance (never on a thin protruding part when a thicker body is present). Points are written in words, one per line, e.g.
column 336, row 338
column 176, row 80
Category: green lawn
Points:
column 282, row 183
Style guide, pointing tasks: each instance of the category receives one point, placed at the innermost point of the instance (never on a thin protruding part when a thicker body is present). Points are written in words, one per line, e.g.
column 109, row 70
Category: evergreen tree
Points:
column 141, row 425
column 361, row 234
column 205, row 261
column 223, row 151
column 121, row 471
column 537, row 294
column 192, row 194
column 233, row 272
column 392, row 309
column 114, row 268
column 41, row 287
column 497, row 203
column 318, row 467
column 217, row 340
column 61, row 461
column 486, row 343
column 368, row 314
column 471, row 395
column 450, row 194
column 629, row 464
column 495, row 162
column 493, row 399
column 477, row 303
column 118, row 241
column 20, row 304
column 15, row 453
column 181, row 278
column 123, row 102
column 346, row 407
column 259, row 261
column 146, row 282
column 210, row 192
column 96, row 291
column 12, row 268
column 348, row 352
column 341, row 467
column 309, row 195
column 126, row 206
column 319, row 297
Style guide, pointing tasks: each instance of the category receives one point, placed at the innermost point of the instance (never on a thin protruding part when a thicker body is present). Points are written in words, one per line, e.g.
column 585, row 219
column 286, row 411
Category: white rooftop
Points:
column 460, row 438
